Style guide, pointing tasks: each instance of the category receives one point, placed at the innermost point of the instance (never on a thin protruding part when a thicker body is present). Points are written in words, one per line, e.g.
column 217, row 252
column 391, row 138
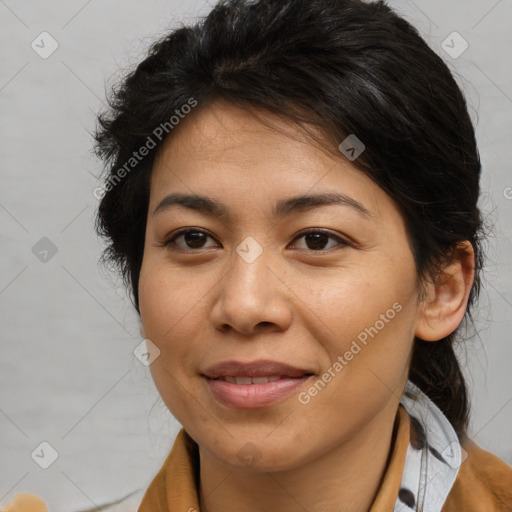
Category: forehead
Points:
column 222, row 147
column 223, row 133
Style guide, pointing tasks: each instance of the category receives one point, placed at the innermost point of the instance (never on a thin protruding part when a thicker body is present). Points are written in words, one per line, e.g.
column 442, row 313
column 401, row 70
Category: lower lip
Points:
column 251, row 396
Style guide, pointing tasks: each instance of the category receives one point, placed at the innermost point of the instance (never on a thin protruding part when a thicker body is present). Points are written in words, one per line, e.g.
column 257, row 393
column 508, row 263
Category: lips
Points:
column 254, row 370
column 253, row 395
column 254, row 384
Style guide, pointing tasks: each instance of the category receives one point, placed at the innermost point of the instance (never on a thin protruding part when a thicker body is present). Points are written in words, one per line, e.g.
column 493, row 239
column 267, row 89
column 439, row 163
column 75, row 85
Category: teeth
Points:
column 244, row 381
column 261, row 380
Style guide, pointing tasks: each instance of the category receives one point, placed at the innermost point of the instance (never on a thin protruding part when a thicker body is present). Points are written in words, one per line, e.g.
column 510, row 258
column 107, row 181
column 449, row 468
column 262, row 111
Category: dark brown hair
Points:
column 343, row 67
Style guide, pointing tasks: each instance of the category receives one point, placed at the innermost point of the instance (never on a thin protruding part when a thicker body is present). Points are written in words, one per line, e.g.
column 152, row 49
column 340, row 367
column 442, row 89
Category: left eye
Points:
column 316, row 240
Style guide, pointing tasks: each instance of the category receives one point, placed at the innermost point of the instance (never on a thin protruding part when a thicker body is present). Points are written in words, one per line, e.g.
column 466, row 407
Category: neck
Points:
column 345, row 479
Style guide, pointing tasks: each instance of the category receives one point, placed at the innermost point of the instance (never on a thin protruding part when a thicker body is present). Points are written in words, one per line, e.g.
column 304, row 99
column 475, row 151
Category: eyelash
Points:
column 170, row 242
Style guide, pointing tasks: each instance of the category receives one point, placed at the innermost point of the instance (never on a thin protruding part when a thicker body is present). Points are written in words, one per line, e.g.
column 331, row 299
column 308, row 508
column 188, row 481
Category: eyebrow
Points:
column 282, row 208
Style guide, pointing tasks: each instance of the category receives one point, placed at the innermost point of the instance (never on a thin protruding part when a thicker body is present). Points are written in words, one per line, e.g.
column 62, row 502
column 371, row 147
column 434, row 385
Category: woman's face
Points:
column 249, row 285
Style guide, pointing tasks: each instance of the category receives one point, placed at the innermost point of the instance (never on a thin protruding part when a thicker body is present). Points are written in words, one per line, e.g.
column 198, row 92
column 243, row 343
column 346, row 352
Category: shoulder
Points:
column 483, row 483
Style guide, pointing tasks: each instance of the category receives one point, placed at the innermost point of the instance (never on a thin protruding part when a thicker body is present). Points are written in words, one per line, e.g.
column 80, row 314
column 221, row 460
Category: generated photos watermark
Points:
column 355, row 347
column 158, row 134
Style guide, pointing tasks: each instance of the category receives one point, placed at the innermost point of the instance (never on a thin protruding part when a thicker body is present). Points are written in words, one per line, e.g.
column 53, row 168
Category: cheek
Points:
column 370, row 313
column 166, row 298
column 173, row 308
column 164, row 305
column 368, row 349
column 355, row 297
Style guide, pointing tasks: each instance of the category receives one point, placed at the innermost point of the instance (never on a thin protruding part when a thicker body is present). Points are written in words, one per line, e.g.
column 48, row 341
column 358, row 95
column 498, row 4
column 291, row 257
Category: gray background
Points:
column 68, row 375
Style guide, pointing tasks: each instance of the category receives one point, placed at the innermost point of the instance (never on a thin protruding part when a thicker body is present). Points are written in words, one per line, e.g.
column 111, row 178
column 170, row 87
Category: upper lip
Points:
column 261, row 368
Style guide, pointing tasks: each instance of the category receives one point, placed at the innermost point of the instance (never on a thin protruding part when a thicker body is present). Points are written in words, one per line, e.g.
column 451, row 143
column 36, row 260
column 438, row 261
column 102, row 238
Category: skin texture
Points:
column 294, row 304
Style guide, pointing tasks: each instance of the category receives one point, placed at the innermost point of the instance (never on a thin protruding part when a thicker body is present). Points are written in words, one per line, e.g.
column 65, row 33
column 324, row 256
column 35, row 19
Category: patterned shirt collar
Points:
column 434, row 455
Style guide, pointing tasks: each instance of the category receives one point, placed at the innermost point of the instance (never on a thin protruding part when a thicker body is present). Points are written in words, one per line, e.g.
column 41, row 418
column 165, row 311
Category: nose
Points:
column 252, row 298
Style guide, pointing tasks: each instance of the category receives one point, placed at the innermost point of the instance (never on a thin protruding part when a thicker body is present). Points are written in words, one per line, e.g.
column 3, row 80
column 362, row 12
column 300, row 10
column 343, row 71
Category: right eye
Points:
column 193, row 238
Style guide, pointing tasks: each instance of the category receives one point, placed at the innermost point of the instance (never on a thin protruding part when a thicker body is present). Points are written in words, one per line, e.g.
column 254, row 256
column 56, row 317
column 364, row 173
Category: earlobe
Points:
column 444, row 307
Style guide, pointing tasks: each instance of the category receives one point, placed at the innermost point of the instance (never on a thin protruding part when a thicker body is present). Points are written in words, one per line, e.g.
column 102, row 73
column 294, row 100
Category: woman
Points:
column 291, row 195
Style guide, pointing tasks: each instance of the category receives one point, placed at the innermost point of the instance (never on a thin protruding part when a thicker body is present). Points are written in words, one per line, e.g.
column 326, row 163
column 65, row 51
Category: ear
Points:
column 444, row 307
